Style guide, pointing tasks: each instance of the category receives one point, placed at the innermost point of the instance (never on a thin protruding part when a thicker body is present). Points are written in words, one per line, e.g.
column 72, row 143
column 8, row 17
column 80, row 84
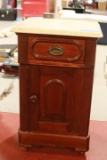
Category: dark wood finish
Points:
column 56, row 79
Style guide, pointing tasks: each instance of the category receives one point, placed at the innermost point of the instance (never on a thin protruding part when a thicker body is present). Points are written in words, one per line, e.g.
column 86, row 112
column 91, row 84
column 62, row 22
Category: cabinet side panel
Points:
column 90, row 53
column 86, row 102
column 24, row 90
column 22, row 48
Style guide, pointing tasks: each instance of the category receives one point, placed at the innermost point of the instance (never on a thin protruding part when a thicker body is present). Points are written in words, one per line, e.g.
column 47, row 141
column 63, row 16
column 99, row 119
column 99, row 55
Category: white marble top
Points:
column 59, row 27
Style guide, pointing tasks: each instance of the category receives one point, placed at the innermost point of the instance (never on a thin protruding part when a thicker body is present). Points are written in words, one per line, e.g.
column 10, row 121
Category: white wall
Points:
column 99, row 98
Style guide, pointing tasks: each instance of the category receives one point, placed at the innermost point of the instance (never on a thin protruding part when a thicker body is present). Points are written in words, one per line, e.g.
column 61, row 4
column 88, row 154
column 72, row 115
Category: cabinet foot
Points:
column 82, row 153
column 27, row 148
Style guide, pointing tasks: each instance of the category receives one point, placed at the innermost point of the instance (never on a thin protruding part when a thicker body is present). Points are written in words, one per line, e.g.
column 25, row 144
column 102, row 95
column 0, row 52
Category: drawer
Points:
column 57, row 49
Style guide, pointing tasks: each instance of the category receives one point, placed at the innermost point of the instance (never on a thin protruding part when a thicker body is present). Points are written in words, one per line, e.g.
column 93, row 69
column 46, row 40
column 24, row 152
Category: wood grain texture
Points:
column 55, row 93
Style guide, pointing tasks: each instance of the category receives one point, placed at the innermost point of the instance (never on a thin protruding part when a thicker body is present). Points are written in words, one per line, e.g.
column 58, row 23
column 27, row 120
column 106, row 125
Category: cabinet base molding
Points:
column 78, row 143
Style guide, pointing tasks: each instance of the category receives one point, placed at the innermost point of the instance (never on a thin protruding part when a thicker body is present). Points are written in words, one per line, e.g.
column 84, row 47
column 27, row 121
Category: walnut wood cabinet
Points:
column 56, row 79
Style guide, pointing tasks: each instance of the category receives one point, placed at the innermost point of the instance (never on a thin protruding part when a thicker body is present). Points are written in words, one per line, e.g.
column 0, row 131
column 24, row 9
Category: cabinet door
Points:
column 60, row 99
column 53, row 98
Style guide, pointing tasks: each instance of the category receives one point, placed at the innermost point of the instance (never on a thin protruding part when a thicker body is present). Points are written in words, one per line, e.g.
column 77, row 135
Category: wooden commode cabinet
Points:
column 56, row 79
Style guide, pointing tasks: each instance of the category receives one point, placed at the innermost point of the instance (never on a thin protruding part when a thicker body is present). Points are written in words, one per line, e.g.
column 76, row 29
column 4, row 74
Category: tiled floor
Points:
column 5, row 25
column 10, row 150
column 8, row 104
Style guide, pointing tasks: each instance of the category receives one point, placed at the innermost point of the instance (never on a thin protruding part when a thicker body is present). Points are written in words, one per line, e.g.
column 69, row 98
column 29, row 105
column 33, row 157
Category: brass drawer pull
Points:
column 56, row 51
column 33, row 98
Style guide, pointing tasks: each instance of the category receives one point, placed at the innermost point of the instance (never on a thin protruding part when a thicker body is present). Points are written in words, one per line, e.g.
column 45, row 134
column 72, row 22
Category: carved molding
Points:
column 72, row 49
column 57, row 112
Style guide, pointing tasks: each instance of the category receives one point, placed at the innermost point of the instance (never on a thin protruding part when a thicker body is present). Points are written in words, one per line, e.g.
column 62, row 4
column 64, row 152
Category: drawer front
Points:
column 57, row 49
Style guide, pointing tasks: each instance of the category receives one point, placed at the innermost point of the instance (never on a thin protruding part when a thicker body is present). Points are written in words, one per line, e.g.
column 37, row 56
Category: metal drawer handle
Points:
column 33, row 98
column 56, row 50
